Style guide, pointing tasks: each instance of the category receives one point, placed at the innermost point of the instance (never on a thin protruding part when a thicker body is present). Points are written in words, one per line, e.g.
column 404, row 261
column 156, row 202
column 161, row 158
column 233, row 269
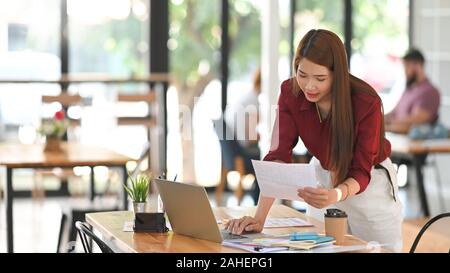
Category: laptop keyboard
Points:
column 226, row 235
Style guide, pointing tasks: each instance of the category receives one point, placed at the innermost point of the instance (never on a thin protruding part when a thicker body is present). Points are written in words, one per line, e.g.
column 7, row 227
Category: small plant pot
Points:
column 139, row 207
column 52, row 145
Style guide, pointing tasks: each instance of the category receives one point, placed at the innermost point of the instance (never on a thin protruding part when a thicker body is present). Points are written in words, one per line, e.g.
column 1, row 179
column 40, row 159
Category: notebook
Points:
column 294, row 241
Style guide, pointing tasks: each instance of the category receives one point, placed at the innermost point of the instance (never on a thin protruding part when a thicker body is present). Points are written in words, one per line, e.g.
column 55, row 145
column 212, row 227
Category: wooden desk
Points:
column 110, row 225
column 417, row 151
column 19, row 156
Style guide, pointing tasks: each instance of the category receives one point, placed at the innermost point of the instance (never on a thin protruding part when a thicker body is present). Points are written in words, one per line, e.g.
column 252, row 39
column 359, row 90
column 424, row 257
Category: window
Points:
column 109, row 36
column 313, row 14
column 194, row 44
column 29, row 49
column 380, row 38
column 112, row 38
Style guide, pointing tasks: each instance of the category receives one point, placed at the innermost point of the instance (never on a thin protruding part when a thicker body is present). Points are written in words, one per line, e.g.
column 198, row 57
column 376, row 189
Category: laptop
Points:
column 189, row 211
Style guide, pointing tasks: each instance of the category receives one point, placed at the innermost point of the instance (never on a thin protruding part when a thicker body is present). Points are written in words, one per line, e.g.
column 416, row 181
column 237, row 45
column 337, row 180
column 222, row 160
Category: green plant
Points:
column 139, row 188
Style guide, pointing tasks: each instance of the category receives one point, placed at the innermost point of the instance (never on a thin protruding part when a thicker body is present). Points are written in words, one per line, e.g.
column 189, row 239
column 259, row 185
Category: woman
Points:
column 340, row 120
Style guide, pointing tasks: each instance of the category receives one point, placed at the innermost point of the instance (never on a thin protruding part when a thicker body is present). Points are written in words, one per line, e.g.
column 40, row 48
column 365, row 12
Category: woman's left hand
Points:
column 318, row 197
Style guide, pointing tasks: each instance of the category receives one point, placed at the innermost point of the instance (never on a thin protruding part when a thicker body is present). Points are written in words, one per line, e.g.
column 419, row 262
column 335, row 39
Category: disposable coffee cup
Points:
column 336, row 225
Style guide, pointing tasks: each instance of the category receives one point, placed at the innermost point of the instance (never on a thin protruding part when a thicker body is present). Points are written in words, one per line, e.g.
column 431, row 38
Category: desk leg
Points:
column 92, row 185
column 419, row 161
column 9, row 211
column 124, row 192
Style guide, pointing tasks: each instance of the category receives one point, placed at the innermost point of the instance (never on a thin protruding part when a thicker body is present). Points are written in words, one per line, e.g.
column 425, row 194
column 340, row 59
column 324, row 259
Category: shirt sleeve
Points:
column 429, row 102
column 366, row 146
column 284, row 134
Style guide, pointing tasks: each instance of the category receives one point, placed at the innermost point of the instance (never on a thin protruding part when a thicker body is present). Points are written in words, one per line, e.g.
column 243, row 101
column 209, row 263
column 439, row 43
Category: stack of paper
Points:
column 286, row 222
column 305, row 241
column 305, row 244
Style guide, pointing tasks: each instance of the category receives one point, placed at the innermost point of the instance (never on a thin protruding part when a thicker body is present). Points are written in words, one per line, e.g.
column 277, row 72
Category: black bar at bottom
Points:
column 9, row 211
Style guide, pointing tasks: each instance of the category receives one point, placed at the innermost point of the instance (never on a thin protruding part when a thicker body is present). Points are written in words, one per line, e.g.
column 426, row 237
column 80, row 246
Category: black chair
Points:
column 76, row 209
column 72, row 216
column 87, row 236
column 76, row 212
column 425, row 227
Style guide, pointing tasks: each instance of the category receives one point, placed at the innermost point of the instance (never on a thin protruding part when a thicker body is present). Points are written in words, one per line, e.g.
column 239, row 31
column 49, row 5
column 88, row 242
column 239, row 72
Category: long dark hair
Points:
column 325, row 48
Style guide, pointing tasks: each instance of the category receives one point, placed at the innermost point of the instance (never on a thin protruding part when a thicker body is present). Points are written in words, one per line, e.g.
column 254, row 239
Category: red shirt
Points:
column 297, row 117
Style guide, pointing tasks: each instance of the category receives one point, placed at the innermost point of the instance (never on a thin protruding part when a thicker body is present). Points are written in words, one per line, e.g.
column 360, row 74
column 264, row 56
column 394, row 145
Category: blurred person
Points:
column 419, row 103
column 243, row 118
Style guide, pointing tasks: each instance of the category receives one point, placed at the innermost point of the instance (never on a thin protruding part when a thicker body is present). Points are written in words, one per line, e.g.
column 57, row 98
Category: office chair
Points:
column 424, row 228
column 86, row 233
column 78, row 211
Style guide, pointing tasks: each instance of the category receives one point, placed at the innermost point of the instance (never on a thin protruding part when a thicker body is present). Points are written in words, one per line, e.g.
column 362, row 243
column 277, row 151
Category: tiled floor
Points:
column 36, row 224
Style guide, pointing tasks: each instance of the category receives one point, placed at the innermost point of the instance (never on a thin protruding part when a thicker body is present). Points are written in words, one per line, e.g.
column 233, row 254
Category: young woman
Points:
column 340, row 120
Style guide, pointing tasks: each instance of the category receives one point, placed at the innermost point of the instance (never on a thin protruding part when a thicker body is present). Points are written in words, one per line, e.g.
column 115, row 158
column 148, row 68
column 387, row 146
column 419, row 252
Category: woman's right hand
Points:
column 244, row 224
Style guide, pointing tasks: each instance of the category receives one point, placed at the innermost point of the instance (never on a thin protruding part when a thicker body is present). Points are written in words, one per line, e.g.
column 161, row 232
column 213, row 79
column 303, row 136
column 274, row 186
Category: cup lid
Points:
column 335, row 213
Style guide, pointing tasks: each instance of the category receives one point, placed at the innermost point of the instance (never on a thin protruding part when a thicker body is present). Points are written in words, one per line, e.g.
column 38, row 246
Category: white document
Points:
column 281, row 180
column 128, row 226
column 286, row 222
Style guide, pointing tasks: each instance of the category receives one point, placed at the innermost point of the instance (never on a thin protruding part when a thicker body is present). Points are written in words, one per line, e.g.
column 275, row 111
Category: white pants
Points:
column 373, row 215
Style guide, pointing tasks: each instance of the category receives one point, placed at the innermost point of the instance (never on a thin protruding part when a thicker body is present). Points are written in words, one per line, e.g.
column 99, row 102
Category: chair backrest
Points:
column 229, row 146
column 64, row 98
column 87, row 235
column 66, row 101
column 149, row 97
column 424, row 228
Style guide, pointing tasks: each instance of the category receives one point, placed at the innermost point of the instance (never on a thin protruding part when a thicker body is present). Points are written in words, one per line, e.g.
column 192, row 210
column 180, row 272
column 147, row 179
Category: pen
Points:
column 258, row 248
column 175, row 179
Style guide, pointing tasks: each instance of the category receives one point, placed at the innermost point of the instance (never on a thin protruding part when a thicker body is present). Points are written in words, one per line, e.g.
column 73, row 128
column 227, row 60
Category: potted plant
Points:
column 138, row 191
column 53, row 131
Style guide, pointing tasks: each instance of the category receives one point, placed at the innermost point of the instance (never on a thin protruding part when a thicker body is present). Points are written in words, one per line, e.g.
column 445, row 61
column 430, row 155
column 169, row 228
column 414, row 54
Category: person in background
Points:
column 339, row 118
column 420, row 102
column 243, row 118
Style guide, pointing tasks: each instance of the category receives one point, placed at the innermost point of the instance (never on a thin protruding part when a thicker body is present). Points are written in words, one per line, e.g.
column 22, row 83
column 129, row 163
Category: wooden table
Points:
column 21, row 156
column 417, row 151
column 110, row 225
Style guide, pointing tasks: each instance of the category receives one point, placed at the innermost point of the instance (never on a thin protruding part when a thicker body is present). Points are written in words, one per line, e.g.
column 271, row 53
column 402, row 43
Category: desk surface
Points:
column 110, row 224
column 403, row 144
column 16, row 155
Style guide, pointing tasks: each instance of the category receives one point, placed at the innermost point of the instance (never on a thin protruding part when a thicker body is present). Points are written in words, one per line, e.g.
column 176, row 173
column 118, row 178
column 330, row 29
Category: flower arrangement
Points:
column 56, row 127
column 53, row 131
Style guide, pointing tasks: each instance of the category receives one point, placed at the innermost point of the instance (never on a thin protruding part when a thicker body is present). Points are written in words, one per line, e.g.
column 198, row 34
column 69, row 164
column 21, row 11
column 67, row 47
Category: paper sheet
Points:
column 128, row 226
column 286, row 222
column 281, row 180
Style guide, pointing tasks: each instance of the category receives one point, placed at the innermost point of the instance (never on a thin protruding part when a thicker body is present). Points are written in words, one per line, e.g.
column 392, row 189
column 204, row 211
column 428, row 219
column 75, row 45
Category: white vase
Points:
column 139, row 206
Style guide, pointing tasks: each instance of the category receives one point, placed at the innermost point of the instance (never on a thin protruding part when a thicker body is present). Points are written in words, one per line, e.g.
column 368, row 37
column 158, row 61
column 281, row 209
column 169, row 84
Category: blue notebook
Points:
column 312, row 237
